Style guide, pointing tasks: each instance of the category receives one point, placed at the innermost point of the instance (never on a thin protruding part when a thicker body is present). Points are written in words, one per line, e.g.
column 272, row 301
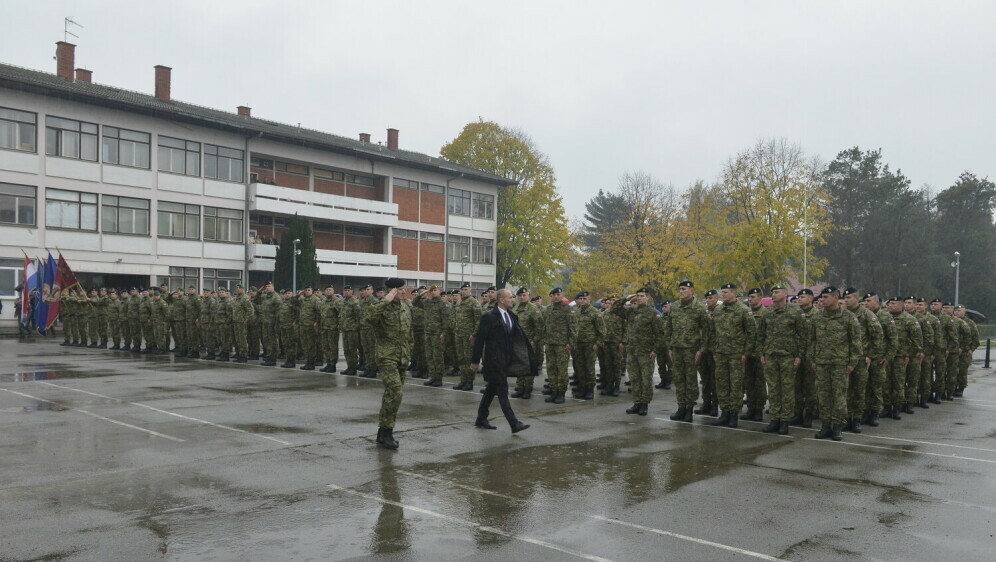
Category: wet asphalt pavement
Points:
column 112, row 456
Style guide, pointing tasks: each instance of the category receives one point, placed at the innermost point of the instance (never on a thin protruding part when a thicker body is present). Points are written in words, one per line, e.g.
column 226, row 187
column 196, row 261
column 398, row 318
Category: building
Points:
column 137, row 189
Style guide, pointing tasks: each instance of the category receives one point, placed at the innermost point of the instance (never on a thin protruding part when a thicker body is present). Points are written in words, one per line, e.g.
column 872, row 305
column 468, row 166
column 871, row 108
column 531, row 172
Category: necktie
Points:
column 508, row 323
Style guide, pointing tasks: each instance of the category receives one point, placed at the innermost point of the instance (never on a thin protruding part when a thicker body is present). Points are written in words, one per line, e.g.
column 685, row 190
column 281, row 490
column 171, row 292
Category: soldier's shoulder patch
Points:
column 874, row 318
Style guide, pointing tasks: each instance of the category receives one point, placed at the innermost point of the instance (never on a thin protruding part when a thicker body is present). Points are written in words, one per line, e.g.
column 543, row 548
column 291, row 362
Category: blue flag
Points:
column 46, row 277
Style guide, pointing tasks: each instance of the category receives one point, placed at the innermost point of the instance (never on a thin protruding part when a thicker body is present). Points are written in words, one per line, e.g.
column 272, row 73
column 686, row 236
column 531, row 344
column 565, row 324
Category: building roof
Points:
column 43, row 83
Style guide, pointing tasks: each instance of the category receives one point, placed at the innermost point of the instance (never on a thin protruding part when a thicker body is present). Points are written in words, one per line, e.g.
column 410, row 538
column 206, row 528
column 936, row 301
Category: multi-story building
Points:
column 138, row 189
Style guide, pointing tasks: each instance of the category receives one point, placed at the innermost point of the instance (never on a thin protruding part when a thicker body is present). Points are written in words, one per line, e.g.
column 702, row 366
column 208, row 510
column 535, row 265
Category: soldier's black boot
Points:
column 908, row 408
column 923, row 402
column 661, row 385
column 288, row 364
column 209, row 356
column 268, row 363
column 223, row 357
column 783, row 428
column 688, row 415
column 856, row 426
column 835, row 432
column 702, row 411
column 847, row 426
column 734, row 419
column 380, row 433
column 894, row 412
column 254, row 357
column 873, row 419
column 959, row 392
column 527, row 394
column 749, row 415
column 948, row 396
column 387, row 439
column 433, row 383
column 643, row 409
column 328, row 368
column 517, row 394
column 588, row 394
column 308, row 367
column 935, row 398
column 796, row 419
column 807, row 420
column 634, row 410
column 558, row 398
column 772, row 427
column 825, row 431
column 678, row 415
column 614, row 391
column 714, row 409
column 722, row 419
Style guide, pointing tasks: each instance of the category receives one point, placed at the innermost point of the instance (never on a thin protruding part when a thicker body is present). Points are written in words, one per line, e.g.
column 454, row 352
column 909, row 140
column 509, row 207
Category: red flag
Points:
column 64, row 277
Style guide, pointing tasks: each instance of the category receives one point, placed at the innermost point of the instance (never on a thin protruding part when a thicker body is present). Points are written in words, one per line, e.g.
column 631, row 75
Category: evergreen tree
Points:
column 307, row 262
column 603, row 213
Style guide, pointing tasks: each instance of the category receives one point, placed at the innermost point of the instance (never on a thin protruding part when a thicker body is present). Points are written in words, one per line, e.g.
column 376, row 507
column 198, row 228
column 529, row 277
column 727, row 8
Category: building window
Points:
column 177, row 220
column 17, row 129
column 432, row 237
column 183, row 277
column 261, row 163
column 179, row 156
column 223, row 225
column 327, row 227
column 260, row 220
column 360, row 231
column 289, row 168
column 398, row 182
column 483, row 206
column 281, row 222
column 17, row 204
column 402, row 233
column 223, row 163
column 215, row 278
column 483, row 250
column 359, row 180
column 433, row 188
column 459, row 248
column 124, row 215
column 126, row 148
column 329, row 175
column 458, row 202
column 70, row 139
column 70, row 209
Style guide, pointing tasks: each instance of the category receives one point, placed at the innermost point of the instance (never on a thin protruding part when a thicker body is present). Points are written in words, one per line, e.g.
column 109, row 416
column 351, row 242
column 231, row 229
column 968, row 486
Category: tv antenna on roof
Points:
column 66, row 33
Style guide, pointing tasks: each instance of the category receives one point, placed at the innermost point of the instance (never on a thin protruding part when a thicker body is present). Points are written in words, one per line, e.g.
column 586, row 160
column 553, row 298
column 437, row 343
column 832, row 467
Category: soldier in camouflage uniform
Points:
column 418, row 363
column 111, row 310
column 450, row 348
column 805, row 381
column 330, row 311
column 223, row 315
column 755, row 387
column 124, row 324
column 135, row 319
column 177, row 310
column 100, row 316
column 616, row 319
column 734, row 339
column 909, row 346
column 590, row 337
column 145, row 315
column 664, row 352
column 243, row 315
column 160, row 323
column 490, row 300
column 878, row 370
column 835, row 351
column 872, row 345
column 781, row 341
column 287, row 322
column 640, row 346
column 191, row 323
column 391, row 318
column 531, row 321
column 349, row 321
column 559, row 336
column 941, row 350
column 932, row 330
column 254, row 329
column 706, row 365
column 913, row 369
column 207, row 307
column 268, row 309
column 969, row 341
column 467, row 314
column 954, row 352
column 434, row 322
column 309, row 318
column 368, row 339
column 688, row 330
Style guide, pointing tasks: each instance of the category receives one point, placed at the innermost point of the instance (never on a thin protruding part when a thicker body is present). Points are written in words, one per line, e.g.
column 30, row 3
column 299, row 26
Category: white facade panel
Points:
column 123, row 175
column 482, row 269
column 183, row 184
column 23, row 162
column 222, row 251
column 20, row 237
column 459, row 221
column 113, row 267
column 283, row 200
column 127, row 244
column 72, row 240
column 185, row 248
column 225, row 189
column 356, row 270
column 322, row 213
column 72, row 169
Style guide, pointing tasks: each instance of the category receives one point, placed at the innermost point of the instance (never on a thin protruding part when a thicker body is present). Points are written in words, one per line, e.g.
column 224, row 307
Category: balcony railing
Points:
column 311, row 204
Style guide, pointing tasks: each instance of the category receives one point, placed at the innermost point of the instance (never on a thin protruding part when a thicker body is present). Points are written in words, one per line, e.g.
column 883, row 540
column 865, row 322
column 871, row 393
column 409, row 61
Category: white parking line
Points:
column 161, row 411
column 599, row 518
column 899, row 450
column 473, row 525
column 722, row 427
column 99, row 417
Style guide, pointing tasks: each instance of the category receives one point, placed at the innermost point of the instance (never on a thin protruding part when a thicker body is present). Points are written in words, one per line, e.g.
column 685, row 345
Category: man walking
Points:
column 507, row 353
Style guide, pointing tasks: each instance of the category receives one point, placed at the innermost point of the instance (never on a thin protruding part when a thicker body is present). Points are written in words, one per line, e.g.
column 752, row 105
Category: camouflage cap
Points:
column 779, row 286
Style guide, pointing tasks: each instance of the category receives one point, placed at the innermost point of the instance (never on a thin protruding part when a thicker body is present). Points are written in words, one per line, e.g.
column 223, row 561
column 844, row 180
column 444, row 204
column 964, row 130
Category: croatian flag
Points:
column 48, row 291
column 30, row 284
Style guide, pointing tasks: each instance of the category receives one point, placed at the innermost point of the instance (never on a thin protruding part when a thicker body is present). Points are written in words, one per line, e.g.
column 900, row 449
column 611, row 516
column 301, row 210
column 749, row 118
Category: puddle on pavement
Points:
column 267, row 428
column 28, row 376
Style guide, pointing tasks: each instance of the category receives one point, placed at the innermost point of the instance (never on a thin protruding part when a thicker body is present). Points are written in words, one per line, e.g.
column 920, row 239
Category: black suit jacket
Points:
column 505, row 354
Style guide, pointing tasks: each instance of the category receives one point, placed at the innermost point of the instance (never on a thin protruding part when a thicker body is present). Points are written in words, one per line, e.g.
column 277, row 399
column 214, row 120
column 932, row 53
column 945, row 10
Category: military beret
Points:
column 422, row 288
column 778, row 286
column 755, row 291
column 222, row 288
column 582, row 294
column 611, row 296
column 711, row 293
column 134, row 289
column 286, row 291
column 192, row 287
column 164, row 284
column 729, row 286
column 465, row 285
column 850, row 291
column 949, row 303
column 665, row 303
column 492, row 288
column 921, row 299
column 686, row 283
column 239, row 286
column 910, row 298
column 935, row 300
column 367, row 286
column 896, row 299
column 483, row 293
column 102, row 289
column 305, row 287
column 869, row 295
column 394, row 283
column 253, row 289
column 268, row 283
column 829, row 290
column 959, row 306
column 643, row 290
column 804, row 292
column 556, row 290
column 344, row 287
column 535, row 299
column 522, row 291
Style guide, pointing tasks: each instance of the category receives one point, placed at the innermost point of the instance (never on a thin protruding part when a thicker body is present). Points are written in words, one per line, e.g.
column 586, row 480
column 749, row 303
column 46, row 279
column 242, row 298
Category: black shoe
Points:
column 547, row 392
column 177, row 352
column 722, row 419
column 856, row 426
column 527, row 394
column 223, row 358
column 519, row 426
column 643, row 410
column 734, row 419
column 749, row 415
column 433, row 383
column 288, row 365
column 387, row 439
column 327, row 369
column 796, row 420
column 65, row 343
column 825, row 431
column 661, row 385
column 772, row 427
column 551, row 397
column 807, row 420
column 614, row 391
column 847, row 426
column 193, row 355
column 688, row 415
column 254, row 357
column 894, row 412
column 959, row 392
column 783, row 427
column 835, row 432
column 714, row 409
column 349, row 371
column 923, row 403
column 368, row 374
column 241, row 360
column 679, row 415
column 459, row 385
column 268, row 363
column 703, row 411
column 483, row 424
column 93, row 345
column 589, row 395
column 948, row 396
column 873, row 419
column 558, row 398
column 634, row 410
column 935, row 399
column 209, row 357
column 469, row 386
column 517, row 394
column 308, row 367
column 908, row 408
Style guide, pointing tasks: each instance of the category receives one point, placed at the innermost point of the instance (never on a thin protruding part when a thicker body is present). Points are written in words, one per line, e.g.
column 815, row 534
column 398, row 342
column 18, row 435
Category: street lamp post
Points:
column 463, row 264
column 294, row 268
column 957, row 266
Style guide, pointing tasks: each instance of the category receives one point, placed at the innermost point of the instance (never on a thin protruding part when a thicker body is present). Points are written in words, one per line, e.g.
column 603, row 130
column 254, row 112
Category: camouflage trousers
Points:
column 779, row 372
column 434, row 355
column 124, row 328
column 392, row 374
column 964, row 362
column 254, row 335
column 664, row 368
column 526, row 383
column 557, row 359
column 418, row 347
column 612, row 372
column 831, row 392
column 225, row 334
column 136, row 332
column 288, row 340
column 192, row 336
column 641, row 373
column 268, row 333
column 707, row 371
column 754, row 384
column 583, row 358
column 951, row 372
column 857, row 387
column 149, row 333
column 160, row 331
column 330, row 345
column 805, row 389
column 208, row 337
column 464, row 352
column 179, row 334
column 730, row 382
column 686, row 382
column 368, row 343
column 913, row 379
column 449, row 350
column 309, row 344
column 894, row 390
column 877, row 375
column 100, row 329
column 926, row 377
column 67, row 323
column 351, row 348
column 114, row 333
column 940, row 373
column 240, row 333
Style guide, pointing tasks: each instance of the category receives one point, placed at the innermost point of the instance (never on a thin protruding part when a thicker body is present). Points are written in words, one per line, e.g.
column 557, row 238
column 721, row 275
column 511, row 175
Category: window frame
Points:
column 18, row 128
column 213, row 152
column 455, row 242
column 114, row 134
column 433, row 188
column 189, row 148
column 217, row 216
column 282, row 167
column 482, row 200
column 432, row 236
column 404, row 233
column 463, row 196
column 17, row 207
column 187, row 213
column 478, row 245
column 405, row 184
column 111, row 206
column 80, row 206
column 62, row 132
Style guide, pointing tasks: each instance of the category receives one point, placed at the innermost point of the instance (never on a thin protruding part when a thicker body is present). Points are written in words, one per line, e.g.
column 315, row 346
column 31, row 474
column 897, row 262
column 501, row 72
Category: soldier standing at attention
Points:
column 418, row 334
column 913, row 369
column 209, row 336
column 835, row 343
column 559, row 334
column 941, row 350
column 330, row 310
column 932, row 330
column 434, row 320
column 111, row 313
column 616, row 319
column 100, row 314
column 391, row 318
column 467, row 314
column 805, row 382
column 269, row 308
column 287, row 320
column 689, row 333
column 134, row 320
column 123, row 322
column 254, row 332
column 707, row 365
column 591, row 334
column 909, row 344
column 754, row 381
column 223, row 319
column 177, row 310
column 954, row 352
column 532, row 324
column 490, row 300
column 368, row 339
column 969, row 341
column 160, row 323
column 734, row 339
column 349, row 321
column 663, row 352
column 192, row 322
column 640, row 346
column 148, row 331
column 450, row 363
column 878, row 371
column 872, row 347
column 309, row 317
column 243, row 314
column 781, row 339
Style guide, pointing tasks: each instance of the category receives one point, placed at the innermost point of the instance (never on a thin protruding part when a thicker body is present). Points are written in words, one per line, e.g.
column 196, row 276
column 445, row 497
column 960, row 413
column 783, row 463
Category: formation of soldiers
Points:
column 844, row 358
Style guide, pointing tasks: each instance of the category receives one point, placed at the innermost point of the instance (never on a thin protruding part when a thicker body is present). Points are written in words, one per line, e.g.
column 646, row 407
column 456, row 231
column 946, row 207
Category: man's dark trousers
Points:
column 499, row 389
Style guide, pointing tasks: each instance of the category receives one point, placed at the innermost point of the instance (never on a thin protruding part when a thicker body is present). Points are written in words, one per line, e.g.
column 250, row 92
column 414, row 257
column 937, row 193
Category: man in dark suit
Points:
column 506, row 352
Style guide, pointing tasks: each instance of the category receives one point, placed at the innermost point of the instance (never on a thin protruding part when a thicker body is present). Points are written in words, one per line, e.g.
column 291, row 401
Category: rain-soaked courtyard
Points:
column 117, row 456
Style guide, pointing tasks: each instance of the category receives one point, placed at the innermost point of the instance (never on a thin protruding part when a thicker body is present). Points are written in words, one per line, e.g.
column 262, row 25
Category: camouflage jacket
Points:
column 781, row 331
column 835, row 338
column 688, row 326
column 734, row 329
column 560, row 326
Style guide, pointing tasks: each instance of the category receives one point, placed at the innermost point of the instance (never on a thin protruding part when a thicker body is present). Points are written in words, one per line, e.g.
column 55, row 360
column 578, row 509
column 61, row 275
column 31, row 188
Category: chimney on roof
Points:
column 392, row 138
column 65, row 60
column 245, row 111
column 163, row 74
column 365, row 138
column 84, row 75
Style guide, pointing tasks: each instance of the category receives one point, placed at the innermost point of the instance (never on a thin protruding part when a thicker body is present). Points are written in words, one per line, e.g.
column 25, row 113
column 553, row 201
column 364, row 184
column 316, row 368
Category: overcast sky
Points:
column 670, row 88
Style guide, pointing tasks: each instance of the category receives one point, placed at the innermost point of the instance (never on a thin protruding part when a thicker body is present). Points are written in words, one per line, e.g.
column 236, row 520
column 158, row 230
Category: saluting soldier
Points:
column 688, row 330
column 148, row 329
column 368, row 339
column 112, row 313
column 434, row 322
column 835, row 345
column 349, row 320
column 781, row 341
column 559, row 336
column 223, row 320
column 467, row 314
column 872, row 345
column 269, row 311
column 418, row 334
column 177, row 311
column 209, row 337
column 531, row 321
column 391, row 318
column 124, row 322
